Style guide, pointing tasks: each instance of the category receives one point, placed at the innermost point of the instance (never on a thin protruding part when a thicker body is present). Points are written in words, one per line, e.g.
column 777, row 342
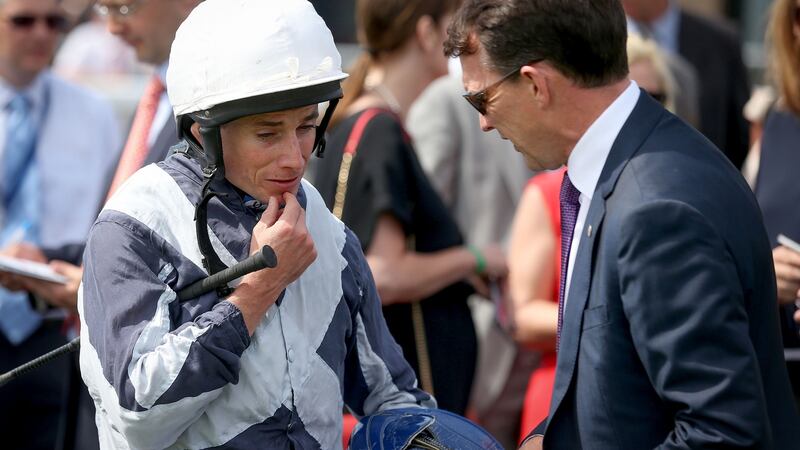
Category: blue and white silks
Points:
column 170, row 374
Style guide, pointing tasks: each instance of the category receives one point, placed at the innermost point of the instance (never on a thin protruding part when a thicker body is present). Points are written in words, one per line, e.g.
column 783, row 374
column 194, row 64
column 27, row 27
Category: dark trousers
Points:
column 32, row 406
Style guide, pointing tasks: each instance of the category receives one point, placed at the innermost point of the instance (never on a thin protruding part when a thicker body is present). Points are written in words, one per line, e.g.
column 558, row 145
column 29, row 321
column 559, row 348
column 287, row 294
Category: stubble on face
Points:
column 265, row 155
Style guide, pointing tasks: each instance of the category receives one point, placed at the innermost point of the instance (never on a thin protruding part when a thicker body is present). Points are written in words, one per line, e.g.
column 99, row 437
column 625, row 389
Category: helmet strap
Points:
column 211, row 261
column 319, row 140
column 212, row 148
column 212, row 169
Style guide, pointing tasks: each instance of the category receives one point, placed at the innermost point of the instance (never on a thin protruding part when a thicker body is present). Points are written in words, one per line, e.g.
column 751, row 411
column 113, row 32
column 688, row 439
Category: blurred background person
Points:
column 648, row 67
column 716, row 54
column 58, row 142
column 149, row 28
column 413, row 246
column 480, row 178
column 685, row 89
column 94, row 58
column 755, row 111
column 776, row 186
column 90, row 54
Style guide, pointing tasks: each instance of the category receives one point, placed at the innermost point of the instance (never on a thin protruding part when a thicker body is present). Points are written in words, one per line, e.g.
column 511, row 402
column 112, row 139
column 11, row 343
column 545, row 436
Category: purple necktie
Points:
column 569, row 202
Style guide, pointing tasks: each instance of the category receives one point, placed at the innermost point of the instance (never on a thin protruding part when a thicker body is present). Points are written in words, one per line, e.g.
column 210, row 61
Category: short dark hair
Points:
column 584, row 39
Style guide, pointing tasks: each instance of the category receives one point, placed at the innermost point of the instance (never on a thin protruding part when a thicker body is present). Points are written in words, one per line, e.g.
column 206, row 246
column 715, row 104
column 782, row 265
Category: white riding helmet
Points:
column 236, row 58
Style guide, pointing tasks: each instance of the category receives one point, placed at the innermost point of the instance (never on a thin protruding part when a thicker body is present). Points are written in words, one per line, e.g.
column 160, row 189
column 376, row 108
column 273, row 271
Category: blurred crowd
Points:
column 461, row 237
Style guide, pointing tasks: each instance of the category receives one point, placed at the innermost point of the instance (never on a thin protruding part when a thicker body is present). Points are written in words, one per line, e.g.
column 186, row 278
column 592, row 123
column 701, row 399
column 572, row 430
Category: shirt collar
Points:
column 34, row 91
column 587, row 159
column 161, row 73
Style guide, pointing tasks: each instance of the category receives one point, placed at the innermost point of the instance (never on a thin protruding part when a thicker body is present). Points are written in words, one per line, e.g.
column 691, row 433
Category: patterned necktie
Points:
column 21, row 207
column 20, row 147
column 570, row 204
column 136, row 148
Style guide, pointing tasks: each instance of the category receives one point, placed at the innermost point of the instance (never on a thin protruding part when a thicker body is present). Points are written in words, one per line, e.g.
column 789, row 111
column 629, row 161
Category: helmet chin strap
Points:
column 212, row 149
column 319, row 140
column 214, row 169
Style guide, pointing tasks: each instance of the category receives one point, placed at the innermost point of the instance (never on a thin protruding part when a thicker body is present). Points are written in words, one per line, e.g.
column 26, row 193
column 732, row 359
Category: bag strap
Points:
column 350, row 149
column 417, row 317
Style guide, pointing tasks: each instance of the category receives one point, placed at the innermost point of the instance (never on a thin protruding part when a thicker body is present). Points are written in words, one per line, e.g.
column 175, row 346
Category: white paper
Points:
column 31, row 269
column 788, row 243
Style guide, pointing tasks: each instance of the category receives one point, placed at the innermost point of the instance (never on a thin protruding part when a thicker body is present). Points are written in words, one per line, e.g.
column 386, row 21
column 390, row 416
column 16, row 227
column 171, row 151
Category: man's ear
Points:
column 195, row 129
column 537, row 80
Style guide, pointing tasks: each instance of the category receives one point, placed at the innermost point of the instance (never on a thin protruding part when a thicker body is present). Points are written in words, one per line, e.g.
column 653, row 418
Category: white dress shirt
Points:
column 587, row 159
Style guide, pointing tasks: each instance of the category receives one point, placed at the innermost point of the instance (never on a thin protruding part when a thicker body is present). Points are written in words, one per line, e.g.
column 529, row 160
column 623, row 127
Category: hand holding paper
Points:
column 27, row 260
column 23, row 267
column 17, row 251
column 62, row 294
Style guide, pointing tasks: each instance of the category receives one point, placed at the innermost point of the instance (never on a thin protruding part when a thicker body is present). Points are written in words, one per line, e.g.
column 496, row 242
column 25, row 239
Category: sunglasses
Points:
column 479, row 100
column 54, row 22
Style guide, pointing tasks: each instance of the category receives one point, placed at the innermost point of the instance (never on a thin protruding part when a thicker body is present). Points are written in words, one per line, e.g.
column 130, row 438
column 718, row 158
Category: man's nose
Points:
column 40, row 30
column 486, row 124
column 115, row 25
column 293, row 156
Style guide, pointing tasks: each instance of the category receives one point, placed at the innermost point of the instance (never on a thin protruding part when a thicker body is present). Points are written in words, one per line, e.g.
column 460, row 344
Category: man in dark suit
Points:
column 716, row 53
column 669, row 327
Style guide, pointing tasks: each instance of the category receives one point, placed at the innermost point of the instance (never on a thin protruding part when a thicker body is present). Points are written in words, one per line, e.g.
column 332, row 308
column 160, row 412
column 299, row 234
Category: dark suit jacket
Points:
column 716, row 53
column 670, row 336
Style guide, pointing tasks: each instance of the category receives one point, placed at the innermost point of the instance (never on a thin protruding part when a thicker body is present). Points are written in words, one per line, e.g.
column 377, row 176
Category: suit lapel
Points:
column 637, row 128
column 576, row 302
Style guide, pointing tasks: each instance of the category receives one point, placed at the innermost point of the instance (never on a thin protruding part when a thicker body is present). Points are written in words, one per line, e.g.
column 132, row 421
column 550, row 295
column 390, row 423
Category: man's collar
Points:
column 161, row 73
column 587, row 159
column 35, row 90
